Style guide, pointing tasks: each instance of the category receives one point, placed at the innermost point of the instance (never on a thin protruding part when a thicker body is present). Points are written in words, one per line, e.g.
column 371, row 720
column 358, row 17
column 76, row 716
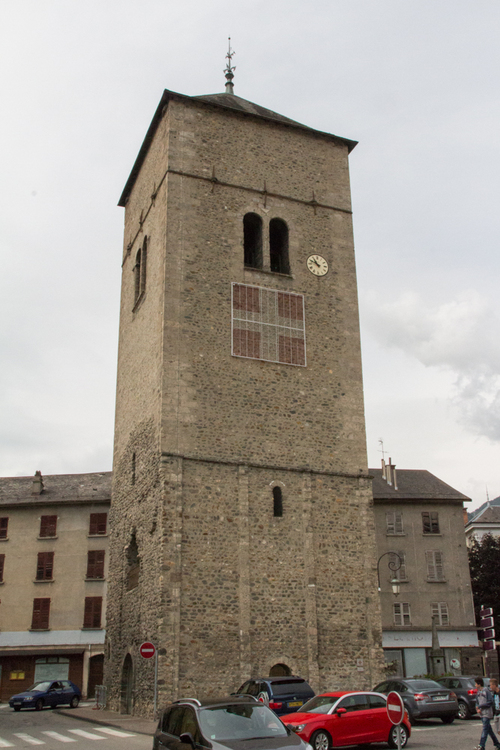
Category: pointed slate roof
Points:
column 230, row 102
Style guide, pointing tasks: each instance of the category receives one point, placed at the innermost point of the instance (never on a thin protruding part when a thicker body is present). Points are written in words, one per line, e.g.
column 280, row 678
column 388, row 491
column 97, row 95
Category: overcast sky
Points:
column 416, row 82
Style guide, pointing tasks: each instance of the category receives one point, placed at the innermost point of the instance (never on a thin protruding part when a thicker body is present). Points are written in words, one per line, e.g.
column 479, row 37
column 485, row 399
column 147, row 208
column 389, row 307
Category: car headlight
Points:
column 28, row 699
column 298, row 728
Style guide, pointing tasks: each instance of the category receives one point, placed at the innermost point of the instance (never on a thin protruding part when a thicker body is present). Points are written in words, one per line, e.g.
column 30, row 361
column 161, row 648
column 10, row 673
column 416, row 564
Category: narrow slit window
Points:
column 252, row 240
column 139, row 269
column 2, row 563
column 133, row 564
column 277, row 502
column 278, row 246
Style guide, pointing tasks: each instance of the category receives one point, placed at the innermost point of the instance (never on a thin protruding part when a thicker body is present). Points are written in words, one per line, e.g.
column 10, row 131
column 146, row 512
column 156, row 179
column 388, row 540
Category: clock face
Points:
column 317, row 265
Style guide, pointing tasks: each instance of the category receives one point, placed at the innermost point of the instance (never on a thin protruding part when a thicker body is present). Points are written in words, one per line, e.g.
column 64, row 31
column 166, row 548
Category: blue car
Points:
column 47, row 693
column 283, row 694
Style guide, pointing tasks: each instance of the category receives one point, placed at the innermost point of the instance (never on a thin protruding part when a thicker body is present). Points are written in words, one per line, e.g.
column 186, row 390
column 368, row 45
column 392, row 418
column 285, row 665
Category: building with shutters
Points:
column 421, row 543
column 243, row 533
column 53, row 570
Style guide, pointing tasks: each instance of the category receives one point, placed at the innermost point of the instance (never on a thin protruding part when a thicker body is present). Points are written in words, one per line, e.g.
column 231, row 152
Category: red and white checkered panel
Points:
column 268, row 324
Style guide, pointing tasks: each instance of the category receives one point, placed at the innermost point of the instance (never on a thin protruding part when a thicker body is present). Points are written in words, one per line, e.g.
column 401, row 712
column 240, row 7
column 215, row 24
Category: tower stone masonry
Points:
column 242, row 520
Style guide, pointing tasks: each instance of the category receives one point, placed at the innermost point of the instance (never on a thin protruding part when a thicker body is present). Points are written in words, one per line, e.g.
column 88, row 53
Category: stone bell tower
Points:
column 242, row 529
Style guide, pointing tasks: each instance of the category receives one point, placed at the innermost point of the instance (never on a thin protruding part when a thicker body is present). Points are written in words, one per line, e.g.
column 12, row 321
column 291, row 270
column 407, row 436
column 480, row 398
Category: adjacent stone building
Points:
column 243, row 536
column 421, row 542
column 53, row 569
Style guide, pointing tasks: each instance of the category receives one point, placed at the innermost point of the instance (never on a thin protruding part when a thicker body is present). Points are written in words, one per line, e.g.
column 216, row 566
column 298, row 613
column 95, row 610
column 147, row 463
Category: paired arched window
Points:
column 253, row 244
column 252, row 240
column 278, row 246
column 141, row 260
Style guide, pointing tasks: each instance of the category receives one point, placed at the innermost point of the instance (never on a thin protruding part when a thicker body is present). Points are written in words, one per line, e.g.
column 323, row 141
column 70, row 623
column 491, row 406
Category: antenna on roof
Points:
column 487, row 497
column 229, row 69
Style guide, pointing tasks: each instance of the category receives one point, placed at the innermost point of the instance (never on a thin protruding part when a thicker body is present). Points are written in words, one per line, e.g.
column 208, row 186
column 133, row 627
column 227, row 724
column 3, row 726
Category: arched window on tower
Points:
column 278, row 246
column 252, row 240
column 277, row 502
column 140, row 267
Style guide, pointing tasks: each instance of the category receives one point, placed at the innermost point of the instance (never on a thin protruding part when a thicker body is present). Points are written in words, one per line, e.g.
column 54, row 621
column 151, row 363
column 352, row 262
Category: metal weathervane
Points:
column 229, row 69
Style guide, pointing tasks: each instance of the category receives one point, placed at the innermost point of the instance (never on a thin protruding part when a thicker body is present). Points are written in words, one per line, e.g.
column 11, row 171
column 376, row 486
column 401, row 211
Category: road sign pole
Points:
column 399, row 736
column 156, row 682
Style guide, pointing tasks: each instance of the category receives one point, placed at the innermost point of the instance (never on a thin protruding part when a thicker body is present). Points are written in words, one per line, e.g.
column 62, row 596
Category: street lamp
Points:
column 394, row 564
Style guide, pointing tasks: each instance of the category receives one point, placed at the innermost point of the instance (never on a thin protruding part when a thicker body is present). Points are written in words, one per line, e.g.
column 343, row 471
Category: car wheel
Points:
column 74, row 702
column 393, row 736
column 17, row 708
column 39, row 704
column 321, row 740
column 448, row 719
column 463, row 710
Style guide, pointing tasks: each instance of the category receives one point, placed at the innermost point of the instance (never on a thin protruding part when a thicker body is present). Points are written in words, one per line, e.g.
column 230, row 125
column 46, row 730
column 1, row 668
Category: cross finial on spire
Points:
column 229, row 69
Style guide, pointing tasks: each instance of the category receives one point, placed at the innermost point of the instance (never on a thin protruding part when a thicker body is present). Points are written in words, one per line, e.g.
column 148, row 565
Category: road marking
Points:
column 4, row 743
column 113, row 732
column 29, row 738
column 87, row 735
column 60, row 737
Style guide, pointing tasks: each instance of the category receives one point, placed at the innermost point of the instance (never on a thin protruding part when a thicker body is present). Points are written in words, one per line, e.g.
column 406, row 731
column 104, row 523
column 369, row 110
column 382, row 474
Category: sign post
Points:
column 396, row 712
column 147, row 650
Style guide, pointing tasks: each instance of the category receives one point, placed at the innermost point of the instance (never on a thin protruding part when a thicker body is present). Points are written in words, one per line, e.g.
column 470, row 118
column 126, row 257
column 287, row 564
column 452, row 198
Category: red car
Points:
column 346, row 718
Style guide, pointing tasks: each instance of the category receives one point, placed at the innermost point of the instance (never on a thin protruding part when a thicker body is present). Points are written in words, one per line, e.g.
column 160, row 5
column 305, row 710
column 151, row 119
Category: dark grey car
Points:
column 235, row 723
column 423, row 699
column 466, row 691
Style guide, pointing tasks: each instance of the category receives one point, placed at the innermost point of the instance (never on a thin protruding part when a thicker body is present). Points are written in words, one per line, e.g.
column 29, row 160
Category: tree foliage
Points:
column 484, row 563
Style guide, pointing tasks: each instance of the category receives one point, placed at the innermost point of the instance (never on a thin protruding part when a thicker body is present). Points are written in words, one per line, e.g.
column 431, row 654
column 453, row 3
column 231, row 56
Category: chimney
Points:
column 389, row 473
column 37, row 487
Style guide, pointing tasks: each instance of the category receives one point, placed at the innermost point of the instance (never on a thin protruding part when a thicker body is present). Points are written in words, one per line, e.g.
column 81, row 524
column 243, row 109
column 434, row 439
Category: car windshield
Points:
column 423, row 684
column 40, row 687
column 320, row 704
column 240, row 723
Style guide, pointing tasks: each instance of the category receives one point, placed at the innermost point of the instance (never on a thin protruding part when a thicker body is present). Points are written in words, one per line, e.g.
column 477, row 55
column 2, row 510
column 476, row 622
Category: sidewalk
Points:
column 135, row 724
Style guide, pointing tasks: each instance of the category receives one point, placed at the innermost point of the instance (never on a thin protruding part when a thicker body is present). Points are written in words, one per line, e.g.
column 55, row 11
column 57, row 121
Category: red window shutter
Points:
column 92, row 613
column 45, row 566
column 291, row 350
column 246, row 343
column 48, row 526
column 4, row 525
column 98, row 524
column 41, row 611
column 95, row 563
column 290, row 306
column 246, row 298
column 2, row 563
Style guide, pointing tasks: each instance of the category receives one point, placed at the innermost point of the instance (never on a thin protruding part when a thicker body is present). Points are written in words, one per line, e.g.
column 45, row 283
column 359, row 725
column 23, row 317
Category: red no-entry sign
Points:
column 147, row 650
column 395, row 708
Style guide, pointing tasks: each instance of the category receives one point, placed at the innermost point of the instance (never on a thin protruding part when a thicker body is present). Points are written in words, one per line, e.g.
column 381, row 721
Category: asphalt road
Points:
column 25, row 729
